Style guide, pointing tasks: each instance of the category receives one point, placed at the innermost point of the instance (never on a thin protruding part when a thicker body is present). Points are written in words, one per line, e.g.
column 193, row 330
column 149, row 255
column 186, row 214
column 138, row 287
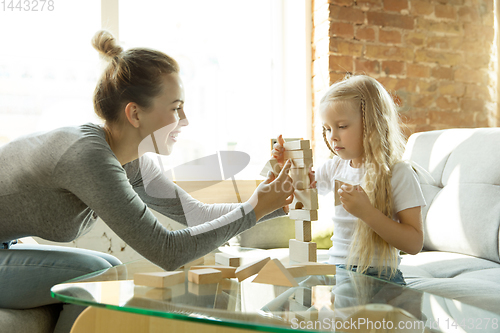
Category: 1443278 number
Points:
column 27, row 5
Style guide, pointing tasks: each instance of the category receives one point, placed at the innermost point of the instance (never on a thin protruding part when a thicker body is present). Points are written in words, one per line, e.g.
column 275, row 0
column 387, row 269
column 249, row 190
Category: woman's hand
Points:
column 273, row 193
column 355, row 200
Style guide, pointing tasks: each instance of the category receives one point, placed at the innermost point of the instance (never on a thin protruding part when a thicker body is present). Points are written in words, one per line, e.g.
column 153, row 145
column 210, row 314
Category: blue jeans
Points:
column 27, row 272
column 372, row 271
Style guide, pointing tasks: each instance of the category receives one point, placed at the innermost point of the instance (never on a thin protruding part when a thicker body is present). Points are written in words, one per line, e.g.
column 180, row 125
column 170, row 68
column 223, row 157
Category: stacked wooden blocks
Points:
column 304, row 207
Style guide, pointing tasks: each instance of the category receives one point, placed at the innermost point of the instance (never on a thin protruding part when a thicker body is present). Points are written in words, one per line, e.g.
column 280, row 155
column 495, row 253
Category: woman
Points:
column 54, row 185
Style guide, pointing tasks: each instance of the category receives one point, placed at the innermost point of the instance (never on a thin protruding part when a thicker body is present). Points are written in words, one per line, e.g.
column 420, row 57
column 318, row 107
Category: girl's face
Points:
column 344, row 130
column 165, row 118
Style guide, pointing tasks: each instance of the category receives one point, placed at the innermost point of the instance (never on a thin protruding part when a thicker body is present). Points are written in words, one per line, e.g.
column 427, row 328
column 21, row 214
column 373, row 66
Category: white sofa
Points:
column 461, row 258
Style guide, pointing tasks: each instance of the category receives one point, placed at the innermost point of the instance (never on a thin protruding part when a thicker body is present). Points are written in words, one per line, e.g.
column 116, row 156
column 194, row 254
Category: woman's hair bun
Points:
column 106, row 44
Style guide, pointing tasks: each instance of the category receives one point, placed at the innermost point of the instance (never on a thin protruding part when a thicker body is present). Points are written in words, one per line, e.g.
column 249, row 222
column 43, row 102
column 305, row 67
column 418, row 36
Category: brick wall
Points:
column 437, row 57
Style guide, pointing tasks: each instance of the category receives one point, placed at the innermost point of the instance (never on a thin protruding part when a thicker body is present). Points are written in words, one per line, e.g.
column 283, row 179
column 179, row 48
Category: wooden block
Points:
column 271, row 165
column 216, row 191
column 274, row 140
column 297, row 145
column 209, row 259
column 302, row 251
column 204, row 276
column 159, row 279
column 227, row 259
column 244, row 272
column 300, row 178
column 338, row 184
column 297, row 271
column 298, row 154
column 303, row 214
column 305, row 199
column 322, row 296
column 303, row 231
column 304, row 296
column 230, row 286
column 204, row 289
column 302, row 163
column 315, row 268
column 159, row 293
column 227, row 271
column 276, row 274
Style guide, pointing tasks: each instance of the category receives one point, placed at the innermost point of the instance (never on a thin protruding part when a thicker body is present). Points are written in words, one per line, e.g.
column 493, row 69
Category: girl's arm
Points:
column 407, row 235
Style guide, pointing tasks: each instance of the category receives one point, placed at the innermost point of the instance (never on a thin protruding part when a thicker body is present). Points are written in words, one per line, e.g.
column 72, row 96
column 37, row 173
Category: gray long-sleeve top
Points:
column 55, row 184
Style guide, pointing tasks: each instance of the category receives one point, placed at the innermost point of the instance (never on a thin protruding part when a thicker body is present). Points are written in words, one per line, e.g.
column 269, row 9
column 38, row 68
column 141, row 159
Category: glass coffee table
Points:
column 344, row 302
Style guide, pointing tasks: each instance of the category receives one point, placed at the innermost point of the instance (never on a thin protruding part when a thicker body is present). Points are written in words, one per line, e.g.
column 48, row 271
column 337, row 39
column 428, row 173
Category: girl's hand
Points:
column 355, row 200
column 312, row 178
column 278, row 151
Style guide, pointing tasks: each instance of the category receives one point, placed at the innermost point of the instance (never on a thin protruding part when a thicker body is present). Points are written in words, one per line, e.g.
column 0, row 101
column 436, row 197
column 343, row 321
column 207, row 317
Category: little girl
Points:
column 382, row 215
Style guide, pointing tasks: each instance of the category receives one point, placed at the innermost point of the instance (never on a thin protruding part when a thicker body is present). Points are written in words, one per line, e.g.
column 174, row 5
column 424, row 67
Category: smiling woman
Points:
column 144, row 86
column 165, row 118
column 55, row 184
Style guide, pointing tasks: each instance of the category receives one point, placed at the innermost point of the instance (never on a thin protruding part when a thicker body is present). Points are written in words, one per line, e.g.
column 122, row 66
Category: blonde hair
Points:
column 135, row 75
column 383, row 144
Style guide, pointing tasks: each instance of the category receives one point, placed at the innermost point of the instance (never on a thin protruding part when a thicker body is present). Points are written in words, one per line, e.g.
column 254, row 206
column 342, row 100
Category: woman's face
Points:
column 344, row 130
column 163, row 121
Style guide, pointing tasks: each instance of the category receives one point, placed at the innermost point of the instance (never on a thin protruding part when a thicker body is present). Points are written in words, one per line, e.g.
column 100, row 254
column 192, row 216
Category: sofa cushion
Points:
column 269, row 234
column 476, row 157
column 463, row 197
column 37, row 320
column 453, row 222
column 470, row 280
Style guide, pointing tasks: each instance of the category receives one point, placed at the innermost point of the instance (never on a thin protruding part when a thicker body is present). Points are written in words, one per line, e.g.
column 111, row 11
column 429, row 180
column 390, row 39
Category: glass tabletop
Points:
column 341, row 302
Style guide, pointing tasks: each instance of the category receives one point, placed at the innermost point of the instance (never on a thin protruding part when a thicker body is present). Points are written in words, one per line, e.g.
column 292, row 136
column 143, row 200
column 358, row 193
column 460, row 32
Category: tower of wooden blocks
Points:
column 304, row 207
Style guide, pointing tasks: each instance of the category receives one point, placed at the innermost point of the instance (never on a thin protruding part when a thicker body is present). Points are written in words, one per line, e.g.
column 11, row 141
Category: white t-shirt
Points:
column 406, row 193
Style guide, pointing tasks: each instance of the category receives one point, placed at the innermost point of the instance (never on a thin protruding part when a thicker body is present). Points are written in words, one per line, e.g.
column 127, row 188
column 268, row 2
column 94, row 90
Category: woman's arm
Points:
column 98, row 184
column 167, row 198
column 91, row 174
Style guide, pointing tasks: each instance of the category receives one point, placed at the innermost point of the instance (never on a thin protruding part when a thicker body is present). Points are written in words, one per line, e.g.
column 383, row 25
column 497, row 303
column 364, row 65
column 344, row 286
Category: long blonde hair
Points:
column 383, row 144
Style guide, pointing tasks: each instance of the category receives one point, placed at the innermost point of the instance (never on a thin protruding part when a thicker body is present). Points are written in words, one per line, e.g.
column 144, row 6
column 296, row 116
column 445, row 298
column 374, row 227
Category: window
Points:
column 243, row 64
column 48, row 68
